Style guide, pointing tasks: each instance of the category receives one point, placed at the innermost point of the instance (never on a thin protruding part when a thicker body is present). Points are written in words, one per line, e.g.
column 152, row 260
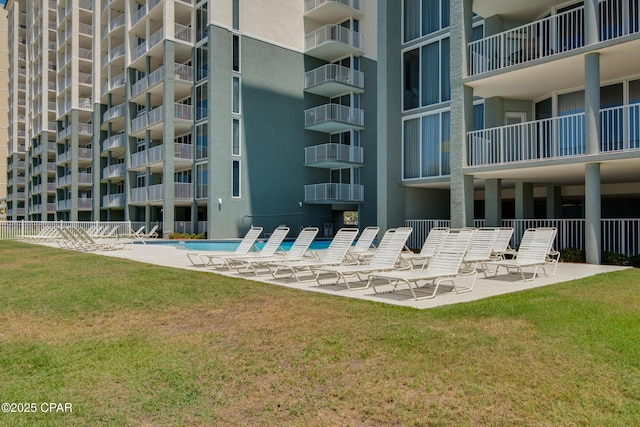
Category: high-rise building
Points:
column 205, row 116
column 213, row 115
column 4, row 102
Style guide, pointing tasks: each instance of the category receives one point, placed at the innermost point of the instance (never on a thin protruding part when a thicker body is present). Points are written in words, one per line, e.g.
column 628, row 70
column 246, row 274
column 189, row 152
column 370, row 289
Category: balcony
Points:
column 333, row 79
column 153, row 158
column 332, row 42
column 114, row 83
column 333, row 156
column 114, row 53
column 146, row 47
column 85, row 179
column 154, row 121
column 331, row 118
column 558, row 137
column 330, row 193
column 183, row 194
column 554, row 36
column 115, row 23
column 117, row 200
column 115, row 144
column 115, row 115
column 114, row 172
column 154, row 84
column 330, row 11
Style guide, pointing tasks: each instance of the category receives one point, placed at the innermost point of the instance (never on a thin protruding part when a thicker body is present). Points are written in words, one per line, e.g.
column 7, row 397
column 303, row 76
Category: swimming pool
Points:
column 229, row 245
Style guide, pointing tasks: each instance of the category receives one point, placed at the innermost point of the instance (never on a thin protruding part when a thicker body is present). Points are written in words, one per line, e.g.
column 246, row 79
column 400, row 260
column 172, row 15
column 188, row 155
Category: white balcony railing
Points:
column 619, row 235
column 334, row 73
column 551, row 35
column 552, row 138
column 182, row 152
column 333, row 153
column 114, row 171
column 333, row 33
column 114, row 141
column 117, row 200
column 184, row 33
column 330, row 192
column 113, row 83
column 333, row 113
column 113, row 113
column 153, row 193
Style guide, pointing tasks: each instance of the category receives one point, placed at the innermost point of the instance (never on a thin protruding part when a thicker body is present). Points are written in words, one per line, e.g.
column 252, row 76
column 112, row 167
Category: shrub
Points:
column 572, row 255
column 635, row 260
column 614, row 258
column 183, row 236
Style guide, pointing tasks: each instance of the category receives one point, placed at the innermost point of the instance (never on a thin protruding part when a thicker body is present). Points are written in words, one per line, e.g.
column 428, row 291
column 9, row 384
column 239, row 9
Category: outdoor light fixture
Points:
column 300, row 204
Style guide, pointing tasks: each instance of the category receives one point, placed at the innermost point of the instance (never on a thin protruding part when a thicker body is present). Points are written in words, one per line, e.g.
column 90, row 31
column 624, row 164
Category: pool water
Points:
column 230, row 246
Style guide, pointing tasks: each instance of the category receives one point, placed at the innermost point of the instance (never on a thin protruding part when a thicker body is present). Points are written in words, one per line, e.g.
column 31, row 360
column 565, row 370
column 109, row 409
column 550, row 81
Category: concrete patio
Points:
column 171, row 256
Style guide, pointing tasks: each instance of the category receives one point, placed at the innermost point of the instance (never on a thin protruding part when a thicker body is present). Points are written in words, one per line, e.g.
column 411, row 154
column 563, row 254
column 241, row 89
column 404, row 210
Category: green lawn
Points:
column 133, row 344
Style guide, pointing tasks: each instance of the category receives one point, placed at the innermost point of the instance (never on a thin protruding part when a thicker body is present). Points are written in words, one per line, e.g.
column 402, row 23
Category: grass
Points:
column 134, row 344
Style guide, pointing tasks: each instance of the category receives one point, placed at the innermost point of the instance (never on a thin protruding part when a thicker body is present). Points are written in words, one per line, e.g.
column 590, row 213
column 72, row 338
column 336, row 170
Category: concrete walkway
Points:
column 170, row 256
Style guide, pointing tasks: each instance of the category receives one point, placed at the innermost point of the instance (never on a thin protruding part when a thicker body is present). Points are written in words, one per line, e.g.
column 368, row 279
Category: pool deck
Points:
column 170, row 256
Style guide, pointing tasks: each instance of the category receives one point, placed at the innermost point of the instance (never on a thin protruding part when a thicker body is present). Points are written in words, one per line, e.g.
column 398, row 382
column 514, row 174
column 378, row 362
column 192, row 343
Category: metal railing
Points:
column 618, row 235
column 329, row 192
column 333, row 113
column 114, row 141
column 333, row 33
column 333, row 152
column 114, row 200
column 113, row 112
column 10, row 230
column 334, row 73
column 114, row 171
column 548, row 36
column 553, row 138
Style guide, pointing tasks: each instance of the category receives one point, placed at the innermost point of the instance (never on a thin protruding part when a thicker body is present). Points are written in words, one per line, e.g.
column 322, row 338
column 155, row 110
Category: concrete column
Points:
column 592, row 103
column 592, row 227
column 591, row 18
column 493, row 202
column 74, row 166
column 461, row 114
column 168, row 131
column 554, row 202
column 390, row 192
column 524, row 200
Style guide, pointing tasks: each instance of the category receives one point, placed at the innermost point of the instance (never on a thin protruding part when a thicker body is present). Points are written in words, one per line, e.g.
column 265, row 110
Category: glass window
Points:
column 431, row 145
column 411, row 79
column 202, row 142
column 430, row 16
column 202, row 63
column 236, row 52
column 634, row 92
column 202, row 22
column 445, row 144
column 235, row 149
column 236, row 95
column 235, row 191
column 202, row 180
column 430, row 74
column 411, row 148
column 236, row 14
column 411, row 19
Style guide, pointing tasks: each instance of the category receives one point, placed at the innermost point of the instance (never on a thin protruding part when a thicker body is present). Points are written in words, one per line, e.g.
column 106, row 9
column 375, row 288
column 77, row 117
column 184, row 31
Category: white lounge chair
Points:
column 534, row 250
column 480, row 248
column 364, row 246
column 502, row 245
column 270, row 248
column 430, row 246
column 444, row 266
column 385, row 258
column 334, row 255
column 152, row 234
column 299, row 249
column 215, row 259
